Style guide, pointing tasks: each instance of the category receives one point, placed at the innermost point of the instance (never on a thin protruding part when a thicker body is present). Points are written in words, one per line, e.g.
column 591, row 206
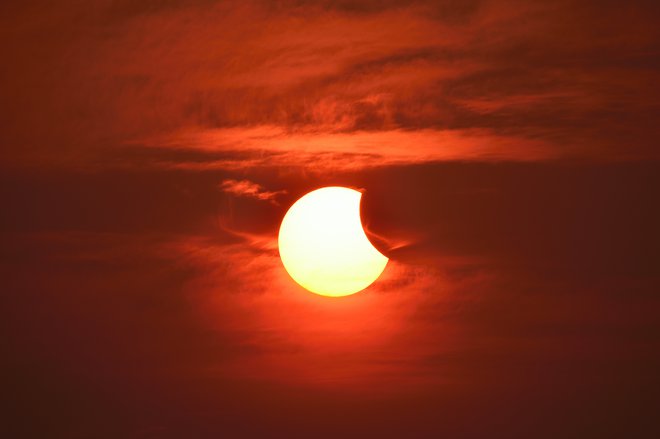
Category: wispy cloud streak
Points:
column 246, row 188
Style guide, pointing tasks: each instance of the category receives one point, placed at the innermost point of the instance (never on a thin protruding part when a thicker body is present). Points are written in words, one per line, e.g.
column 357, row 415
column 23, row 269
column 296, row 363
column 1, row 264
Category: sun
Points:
column 323, row 246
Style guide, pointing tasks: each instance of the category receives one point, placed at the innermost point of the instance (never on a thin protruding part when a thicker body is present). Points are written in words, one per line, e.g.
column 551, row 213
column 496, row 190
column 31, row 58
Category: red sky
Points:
column 508, row 154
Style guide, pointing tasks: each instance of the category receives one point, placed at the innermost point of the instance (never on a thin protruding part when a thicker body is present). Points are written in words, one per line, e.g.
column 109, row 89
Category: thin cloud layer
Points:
column 571, row 79
column 319, row 152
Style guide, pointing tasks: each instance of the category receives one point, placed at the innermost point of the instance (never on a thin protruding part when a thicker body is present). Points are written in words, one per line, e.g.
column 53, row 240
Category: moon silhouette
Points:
column 323, row 246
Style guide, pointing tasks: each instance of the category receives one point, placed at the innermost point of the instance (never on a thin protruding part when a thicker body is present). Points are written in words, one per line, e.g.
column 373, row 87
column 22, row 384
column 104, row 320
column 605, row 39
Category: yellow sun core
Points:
column 323, row 245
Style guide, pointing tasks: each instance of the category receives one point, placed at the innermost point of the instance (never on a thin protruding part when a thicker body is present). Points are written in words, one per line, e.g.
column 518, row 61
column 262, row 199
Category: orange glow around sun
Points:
column 324, row 247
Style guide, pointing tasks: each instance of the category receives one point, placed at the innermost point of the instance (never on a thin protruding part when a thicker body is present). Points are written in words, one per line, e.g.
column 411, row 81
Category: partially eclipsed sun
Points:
column 323, row 245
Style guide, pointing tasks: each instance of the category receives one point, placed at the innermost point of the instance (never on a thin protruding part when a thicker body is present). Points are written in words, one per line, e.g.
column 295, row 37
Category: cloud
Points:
column 246, row 188
column 583, row 87
column 261, row 147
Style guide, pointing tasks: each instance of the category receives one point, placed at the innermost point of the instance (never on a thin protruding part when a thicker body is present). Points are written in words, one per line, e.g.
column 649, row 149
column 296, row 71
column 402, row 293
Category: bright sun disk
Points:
column 323, row 245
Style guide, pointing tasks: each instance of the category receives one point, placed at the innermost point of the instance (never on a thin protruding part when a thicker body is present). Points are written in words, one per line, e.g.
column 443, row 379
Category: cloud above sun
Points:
column 401, row 81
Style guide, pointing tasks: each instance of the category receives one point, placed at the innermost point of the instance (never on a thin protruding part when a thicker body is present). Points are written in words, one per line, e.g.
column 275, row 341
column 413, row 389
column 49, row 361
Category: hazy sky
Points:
column 508, row 155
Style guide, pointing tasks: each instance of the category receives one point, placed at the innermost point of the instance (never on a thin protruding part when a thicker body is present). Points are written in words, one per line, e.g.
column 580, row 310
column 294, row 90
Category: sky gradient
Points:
column 508, row 156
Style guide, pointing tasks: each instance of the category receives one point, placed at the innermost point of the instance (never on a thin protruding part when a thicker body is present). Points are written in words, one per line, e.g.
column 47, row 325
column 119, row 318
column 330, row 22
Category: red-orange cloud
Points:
column 246, row 188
